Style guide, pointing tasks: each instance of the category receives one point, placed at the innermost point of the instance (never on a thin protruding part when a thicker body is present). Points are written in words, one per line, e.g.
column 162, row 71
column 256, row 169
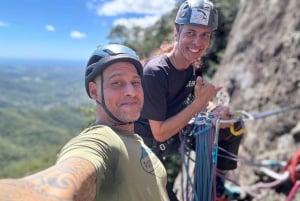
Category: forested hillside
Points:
column 41, row 107
column 34, row 85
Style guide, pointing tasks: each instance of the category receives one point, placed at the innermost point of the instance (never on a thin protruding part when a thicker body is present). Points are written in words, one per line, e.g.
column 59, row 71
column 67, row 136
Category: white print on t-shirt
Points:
column 191, row 83
column 150, row 163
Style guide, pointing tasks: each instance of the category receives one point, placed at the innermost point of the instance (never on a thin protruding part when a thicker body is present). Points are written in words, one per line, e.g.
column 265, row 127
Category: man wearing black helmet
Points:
column 107, row 161
column 174, row 92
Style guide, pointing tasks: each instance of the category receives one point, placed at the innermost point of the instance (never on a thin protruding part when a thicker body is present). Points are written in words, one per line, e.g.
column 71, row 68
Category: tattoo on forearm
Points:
column 62, row 183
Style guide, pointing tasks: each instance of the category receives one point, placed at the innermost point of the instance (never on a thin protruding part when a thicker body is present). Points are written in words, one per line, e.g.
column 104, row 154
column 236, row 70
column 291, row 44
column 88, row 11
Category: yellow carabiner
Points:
column 236, row 132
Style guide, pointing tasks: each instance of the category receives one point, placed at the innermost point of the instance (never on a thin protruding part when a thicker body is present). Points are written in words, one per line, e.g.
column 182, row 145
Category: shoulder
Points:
column 156, row 63
column 94, row 144
column 101, row 132
column 98, row 137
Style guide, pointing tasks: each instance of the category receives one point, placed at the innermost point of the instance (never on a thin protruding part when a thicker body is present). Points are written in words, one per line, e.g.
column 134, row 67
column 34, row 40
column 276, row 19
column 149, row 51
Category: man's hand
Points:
column 223, row 113
column 205, row 91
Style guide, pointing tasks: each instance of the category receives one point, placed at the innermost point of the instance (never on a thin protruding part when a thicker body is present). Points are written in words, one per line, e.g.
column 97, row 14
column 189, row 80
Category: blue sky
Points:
column 68, row 29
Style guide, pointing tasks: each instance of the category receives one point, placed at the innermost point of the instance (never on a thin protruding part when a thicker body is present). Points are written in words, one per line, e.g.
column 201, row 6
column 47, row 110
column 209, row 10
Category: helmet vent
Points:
column 109, row 52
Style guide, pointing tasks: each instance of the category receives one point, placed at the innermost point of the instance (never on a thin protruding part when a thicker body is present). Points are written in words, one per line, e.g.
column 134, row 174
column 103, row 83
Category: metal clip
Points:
column 162, row 147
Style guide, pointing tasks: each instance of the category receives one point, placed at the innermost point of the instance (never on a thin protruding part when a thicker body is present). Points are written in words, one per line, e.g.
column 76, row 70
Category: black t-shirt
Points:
column 166, row 91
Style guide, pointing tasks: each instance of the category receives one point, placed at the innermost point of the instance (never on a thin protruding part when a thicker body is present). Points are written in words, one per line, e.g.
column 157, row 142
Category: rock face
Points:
column 261, row 69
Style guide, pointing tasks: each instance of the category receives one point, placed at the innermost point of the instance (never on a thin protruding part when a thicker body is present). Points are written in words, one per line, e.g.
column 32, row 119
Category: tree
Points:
column 118, row 34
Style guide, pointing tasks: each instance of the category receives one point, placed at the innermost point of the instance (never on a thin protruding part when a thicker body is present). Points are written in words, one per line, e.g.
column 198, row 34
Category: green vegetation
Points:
column 41, row 108
column 34, row 86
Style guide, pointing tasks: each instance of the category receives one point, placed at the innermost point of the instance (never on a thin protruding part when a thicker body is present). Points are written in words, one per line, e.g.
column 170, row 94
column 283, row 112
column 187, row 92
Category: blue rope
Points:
column 201, row 186
column 186, row 165
column 205, row 160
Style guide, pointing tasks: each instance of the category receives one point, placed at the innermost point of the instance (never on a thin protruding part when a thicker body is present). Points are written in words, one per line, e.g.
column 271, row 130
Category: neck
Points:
column 177, row 60
column 128, row 127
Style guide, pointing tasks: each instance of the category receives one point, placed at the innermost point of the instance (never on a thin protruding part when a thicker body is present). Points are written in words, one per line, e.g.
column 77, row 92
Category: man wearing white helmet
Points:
column 106, row 161
column 174, row 92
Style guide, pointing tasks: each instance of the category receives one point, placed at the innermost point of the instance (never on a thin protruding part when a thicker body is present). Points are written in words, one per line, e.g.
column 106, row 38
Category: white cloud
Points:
column 131, row 22
column 4, row 24
column 77, row 35
column 50, row 28
column 146, row 7
column 151, row 10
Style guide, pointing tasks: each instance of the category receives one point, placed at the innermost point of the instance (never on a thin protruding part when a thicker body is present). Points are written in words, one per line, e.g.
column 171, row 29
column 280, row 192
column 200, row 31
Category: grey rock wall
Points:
column 261, row 69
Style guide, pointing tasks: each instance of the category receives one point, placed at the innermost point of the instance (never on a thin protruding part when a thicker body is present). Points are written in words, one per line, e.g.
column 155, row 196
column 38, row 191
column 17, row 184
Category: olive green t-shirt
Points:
column 127, row 170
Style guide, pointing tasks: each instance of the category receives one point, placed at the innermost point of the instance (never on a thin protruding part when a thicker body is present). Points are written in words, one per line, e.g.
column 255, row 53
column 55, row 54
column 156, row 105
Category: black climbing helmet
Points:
column 197, row 12
column 106, row 55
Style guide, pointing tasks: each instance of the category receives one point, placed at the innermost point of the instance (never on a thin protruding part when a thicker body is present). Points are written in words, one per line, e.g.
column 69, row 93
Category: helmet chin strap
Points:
column 103, row 105
column 119, row 122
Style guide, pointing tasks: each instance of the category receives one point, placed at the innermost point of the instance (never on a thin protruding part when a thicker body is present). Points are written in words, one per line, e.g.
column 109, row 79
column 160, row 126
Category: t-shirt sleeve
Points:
column 155, row 93
column 96, row 145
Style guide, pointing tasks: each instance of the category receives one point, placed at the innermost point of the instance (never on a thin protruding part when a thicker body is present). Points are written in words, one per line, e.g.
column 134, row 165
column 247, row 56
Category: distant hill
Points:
column 41, row 107
column 33, row 84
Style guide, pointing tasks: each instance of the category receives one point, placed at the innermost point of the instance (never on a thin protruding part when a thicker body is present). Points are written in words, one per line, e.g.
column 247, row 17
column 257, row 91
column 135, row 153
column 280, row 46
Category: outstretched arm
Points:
column 72, row 179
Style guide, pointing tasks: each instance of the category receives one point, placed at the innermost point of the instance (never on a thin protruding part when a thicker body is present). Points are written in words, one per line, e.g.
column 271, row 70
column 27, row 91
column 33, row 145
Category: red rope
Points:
column 292, row 164
column 223, row 198
column 293, row 191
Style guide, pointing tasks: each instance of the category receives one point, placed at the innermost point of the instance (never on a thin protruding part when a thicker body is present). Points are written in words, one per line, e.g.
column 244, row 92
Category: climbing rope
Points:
column 202, row 181
column 201, row 184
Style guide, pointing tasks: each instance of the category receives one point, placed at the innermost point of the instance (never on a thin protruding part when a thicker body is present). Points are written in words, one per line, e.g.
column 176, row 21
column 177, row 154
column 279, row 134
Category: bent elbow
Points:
column 159, row 139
